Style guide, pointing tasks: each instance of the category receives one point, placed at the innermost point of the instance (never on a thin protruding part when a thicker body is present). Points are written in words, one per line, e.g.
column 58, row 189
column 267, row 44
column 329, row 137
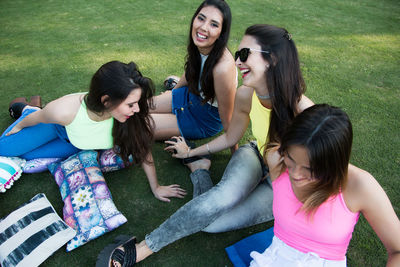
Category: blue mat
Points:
column 239, row 253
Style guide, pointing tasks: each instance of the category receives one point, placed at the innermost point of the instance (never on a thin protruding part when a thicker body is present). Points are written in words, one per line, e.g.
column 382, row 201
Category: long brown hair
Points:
column 117, row 80
column 326, row 132
column 193, row 58
column 284, row 79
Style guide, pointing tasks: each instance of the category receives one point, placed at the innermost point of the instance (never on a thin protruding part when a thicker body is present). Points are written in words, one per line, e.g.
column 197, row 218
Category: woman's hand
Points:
column 178, row 147
column 14, row 130
column 160, row 192
column 164, row 192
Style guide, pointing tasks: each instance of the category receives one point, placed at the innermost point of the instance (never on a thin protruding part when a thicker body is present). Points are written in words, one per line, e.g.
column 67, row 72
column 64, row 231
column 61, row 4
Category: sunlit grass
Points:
column 350, row 57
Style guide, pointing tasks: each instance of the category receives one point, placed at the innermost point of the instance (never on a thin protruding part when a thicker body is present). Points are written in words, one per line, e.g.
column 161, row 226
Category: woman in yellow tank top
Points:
column 113, row 114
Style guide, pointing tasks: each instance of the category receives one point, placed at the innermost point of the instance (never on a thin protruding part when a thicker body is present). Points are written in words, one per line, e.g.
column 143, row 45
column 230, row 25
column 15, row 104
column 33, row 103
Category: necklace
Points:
column 263, row 97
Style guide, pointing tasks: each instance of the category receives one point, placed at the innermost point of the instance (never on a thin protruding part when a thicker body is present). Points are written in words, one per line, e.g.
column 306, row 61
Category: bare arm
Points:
column 304, row 103
column 225, row 83
column 60, row 111
column 182, row 82
column 237, row 128
column 160, row 192
column 275, row 162
column 370, row 198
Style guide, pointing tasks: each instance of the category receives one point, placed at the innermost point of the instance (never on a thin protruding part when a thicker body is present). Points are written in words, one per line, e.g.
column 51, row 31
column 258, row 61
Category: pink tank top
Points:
column 327, row 233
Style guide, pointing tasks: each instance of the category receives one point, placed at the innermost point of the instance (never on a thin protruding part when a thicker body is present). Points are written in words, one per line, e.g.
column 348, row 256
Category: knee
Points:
column 225, row 200
column 6, row 147
column 220, row 225
column 210, row 230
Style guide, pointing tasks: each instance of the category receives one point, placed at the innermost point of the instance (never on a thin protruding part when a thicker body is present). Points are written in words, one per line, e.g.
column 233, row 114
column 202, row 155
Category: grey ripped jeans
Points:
column 242, row 198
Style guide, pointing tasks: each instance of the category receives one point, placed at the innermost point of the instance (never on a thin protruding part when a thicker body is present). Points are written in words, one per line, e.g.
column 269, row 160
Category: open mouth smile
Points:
column 201, row 36
column 244, row 72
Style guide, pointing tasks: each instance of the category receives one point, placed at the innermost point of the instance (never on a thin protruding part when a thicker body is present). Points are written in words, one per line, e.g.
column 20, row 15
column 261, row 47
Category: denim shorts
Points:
column 196, row 120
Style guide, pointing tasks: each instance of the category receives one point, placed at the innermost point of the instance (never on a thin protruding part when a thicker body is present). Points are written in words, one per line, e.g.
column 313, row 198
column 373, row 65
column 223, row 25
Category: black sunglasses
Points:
column 243, row 53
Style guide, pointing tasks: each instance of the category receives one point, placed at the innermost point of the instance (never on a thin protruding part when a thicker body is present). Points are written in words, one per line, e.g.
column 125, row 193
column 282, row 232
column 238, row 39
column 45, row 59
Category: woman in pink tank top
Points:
column 318, row 195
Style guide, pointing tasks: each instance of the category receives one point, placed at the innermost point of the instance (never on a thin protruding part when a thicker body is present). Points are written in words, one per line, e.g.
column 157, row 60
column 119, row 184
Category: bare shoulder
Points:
column 63, row 110
column 66, row 103
column 243, row 97
column 361, row 185
column 304, row 103
column 245, row 93
column 364, row 194
column 359, row 179
column 226, row 65
column 274, row 162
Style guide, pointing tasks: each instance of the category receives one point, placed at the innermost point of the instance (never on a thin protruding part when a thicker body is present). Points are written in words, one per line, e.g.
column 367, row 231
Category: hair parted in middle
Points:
column 193, row 58
column 117, row 80
column 326, row 132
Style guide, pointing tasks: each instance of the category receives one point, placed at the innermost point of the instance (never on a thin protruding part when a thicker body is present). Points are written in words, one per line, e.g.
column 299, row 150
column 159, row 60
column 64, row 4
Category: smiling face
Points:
column 297, row 161
column 128, row 107
column 253, row 70
column 206, row 28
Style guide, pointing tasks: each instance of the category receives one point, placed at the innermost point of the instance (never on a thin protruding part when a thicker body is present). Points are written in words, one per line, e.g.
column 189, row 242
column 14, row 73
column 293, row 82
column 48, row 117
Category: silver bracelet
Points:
column 208, row 149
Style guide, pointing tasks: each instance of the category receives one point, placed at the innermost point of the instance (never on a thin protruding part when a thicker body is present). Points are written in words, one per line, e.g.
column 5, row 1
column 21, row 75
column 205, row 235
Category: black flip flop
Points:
column 126, row 258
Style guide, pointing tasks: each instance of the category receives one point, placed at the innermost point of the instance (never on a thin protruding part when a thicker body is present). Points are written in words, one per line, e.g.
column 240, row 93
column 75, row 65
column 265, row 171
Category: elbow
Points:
column 225, row 120
column 230, row 141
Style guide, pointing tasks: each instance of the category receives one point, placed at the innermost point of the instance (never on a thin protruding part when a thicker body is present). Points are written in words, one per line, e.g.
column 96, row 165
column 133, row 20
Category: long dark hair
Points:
column 193, row 58
column 117, row 80
column 284, row 79
column 326, row 132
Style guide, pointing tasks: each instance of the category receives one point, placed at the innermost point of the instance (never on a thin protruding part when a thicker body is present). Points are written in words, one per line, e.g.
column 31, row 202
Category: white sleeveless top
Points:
column 203, row 60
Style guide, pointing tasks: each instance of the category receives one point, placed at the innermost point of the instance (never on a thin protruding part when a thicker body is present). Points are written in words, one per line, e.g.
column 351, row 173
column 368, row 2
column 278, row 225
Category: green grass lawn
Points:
column 350, row 57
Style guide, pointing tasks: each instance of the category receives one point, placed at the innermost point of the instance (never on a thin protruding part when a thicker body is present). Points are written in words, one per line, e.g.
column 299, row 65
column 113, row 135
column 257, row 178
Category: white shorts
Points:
column 280, row 254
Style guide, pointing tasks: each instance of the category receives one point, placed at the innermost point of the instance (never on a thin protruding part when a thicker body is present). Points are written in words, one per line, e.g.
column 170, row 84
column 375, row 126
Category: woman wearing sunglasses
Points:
column 201, row 103
column 271, row 97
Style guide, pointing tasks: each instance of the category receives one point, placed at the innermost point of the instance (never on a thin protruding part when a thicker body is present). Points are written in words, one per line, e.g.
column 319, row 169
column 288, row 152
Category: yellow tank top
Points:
column 85, row 133
column 260, row 119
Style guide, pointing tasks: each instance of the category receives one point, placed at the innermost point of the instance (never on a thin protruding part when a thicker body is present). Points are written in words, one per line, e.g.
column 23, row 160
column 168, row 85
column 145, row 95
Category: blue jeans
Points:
column 39, row 141
column 242, row 198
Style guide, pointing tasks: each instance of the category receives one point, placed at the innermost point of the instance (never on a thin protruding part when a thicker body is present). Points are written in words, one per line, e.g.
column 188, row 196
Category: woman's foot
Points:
column 202, row 163
column 142, row 252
